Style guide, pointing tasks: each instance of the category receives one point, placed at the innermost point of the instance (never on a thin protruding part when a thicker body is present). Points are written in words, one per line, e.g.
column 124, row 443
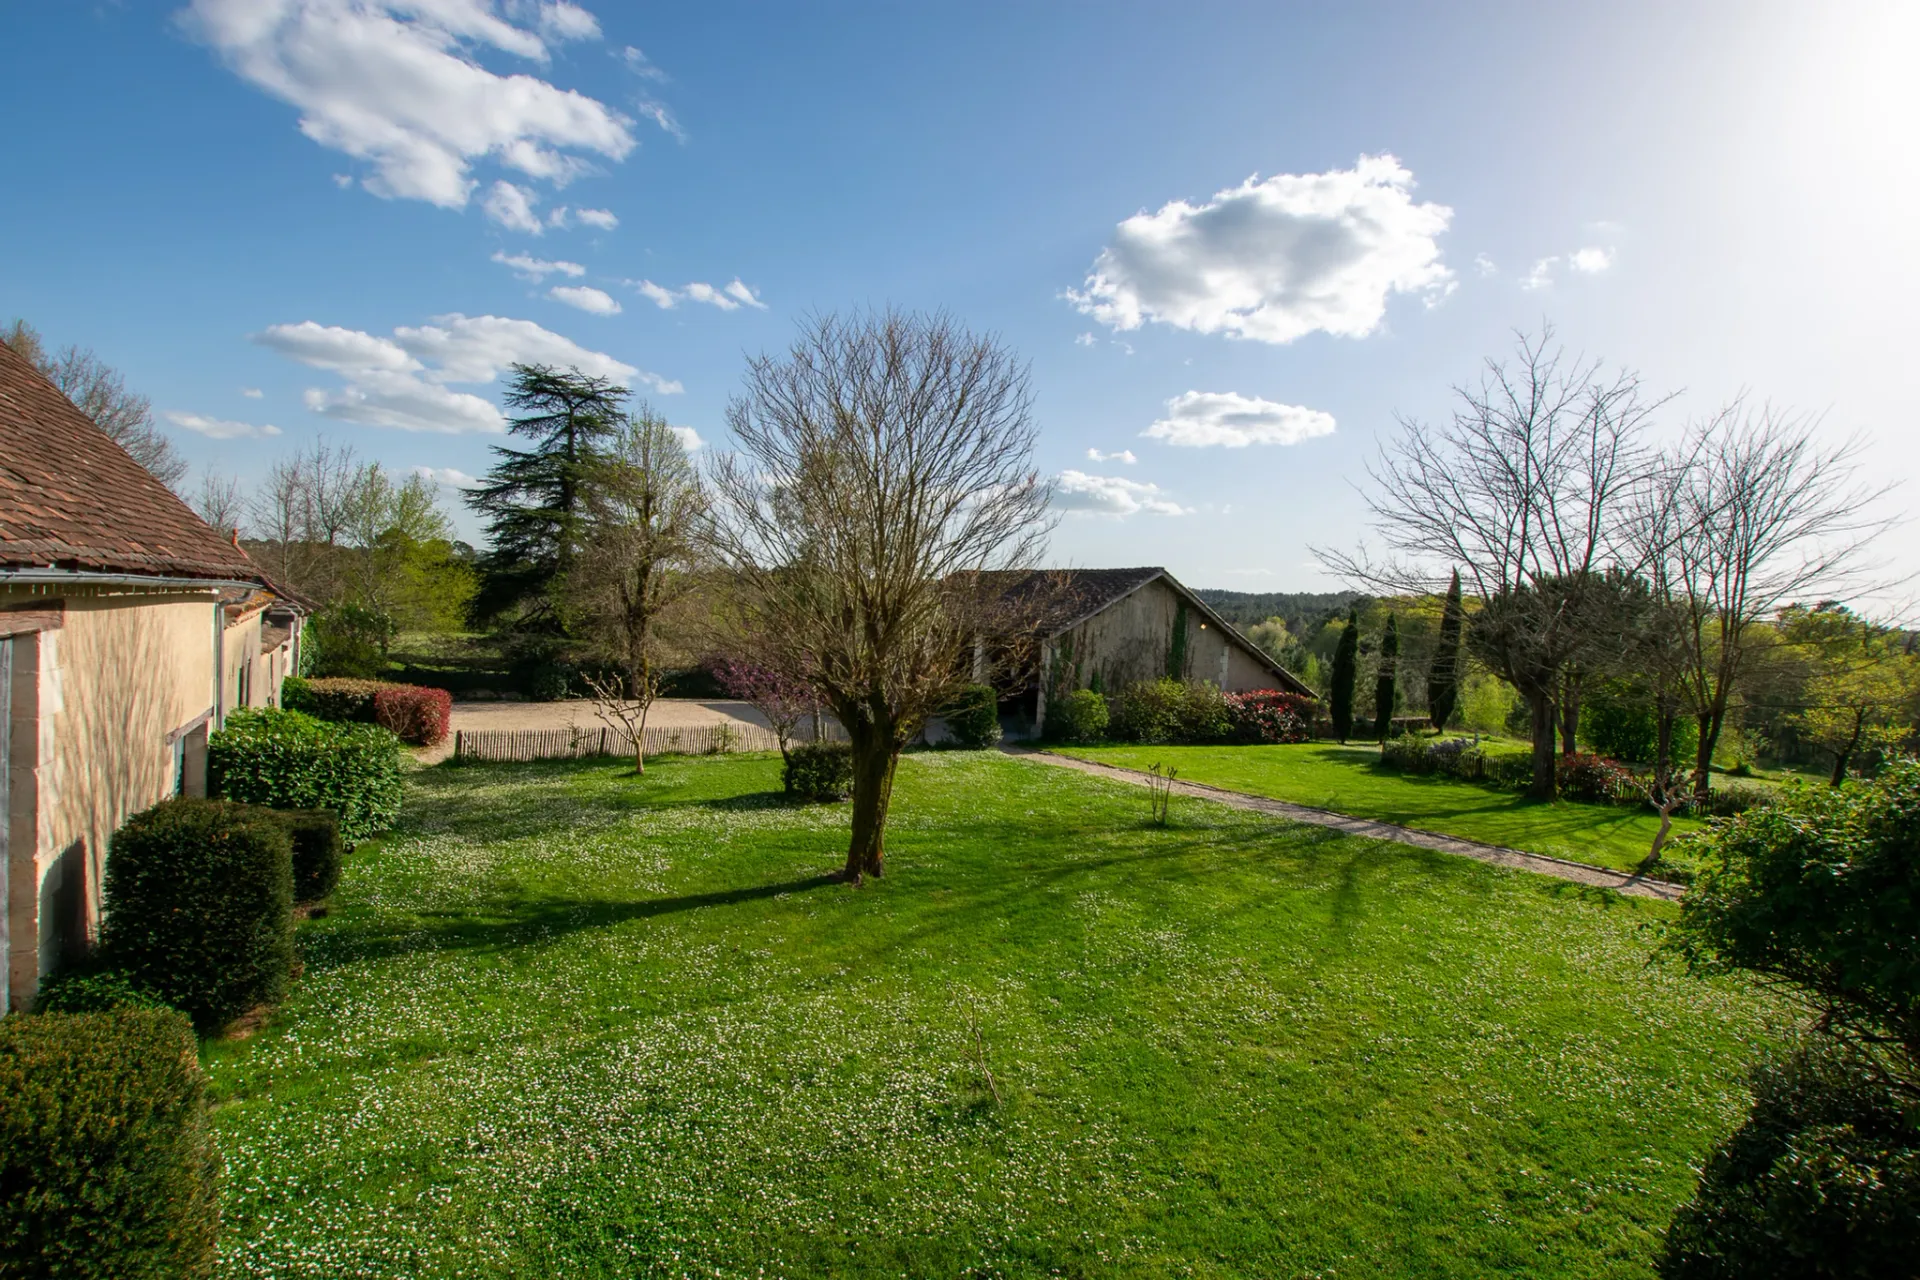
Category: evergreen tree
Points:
column 534, row 500
column 1383, row 680
column 1345, row 665
column 1443, row 677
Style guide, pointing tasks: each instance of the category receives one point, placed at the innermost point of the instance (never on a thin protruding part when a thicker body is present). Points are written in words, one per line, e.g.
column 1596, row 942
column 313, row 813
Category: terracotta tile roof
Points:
column 72, row 498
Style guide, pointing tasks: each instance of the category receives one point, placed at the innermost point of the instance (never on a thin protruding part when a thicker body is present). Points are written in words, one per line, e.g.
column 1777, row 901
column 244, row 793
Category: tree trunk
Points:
column 1540, row 706
column 1843, row 756
column 1570, row 715
column 874, row 758
column 1710, row 722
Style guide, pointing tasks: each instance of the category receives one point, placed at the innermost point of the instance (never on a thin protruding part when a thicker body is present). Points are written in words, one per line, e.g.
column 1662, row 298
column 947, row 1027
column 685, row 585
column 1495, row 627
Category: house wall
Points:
column 1133, row 640
column 99, row 703
column 242, row 672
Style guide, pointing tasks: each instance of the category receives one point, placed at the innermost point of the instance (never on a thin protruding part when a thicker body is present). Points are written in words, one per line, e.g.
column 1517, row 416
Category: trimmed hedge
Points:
column 819, row 771
column 288, row 760
column 1081, row 716
column 88, row 988
column 974, row 718
column 199, row 907
column 107, row 1167
column 318, row 851
column 1589, row 778
column 414, row 714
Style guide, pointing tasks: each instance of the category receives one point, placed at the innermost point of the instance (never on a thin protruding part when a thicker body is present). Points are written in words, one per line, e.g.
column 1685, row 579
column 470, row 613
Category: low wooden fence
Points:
column 579, row 742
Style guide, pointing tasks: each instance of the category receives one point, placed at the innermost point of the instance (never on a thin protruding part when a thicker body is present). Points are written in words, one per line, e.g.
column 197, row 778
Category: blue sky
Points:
column 304, row 199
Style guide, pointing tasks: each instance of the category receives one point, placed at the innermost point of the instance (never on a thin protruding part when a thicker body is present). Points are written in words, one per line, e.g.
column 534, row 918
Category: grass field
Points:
column 563, row 1022
column 1344, row 778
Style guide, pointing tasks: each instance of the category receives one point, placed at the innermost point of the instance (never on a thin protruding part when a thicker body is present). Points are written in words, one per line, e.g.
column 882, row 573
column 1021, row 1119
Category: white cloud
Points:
column 396, row 83
column 1201, row 418
column 665, row 299
column 1274, row 260
column 731, row 298
column 1084, row 340
column 1591, row 260
column 512, row 208
column 253, row 393
column 1484, row 265
column 586, row 298
column 1542, row 274
column 448, row 477
column 689, row 438
column 220, row 428
column 538, row 269
column 400, row 382
column 1125, row 455
column 1078, row 492
column 563, row 21
column 601, row 218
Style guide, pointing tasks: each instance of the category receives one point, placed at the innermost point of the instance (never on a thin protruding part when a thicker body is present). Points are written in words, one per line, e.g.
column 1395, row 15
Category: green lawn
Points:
column 564, row 1023
column 1345, row 779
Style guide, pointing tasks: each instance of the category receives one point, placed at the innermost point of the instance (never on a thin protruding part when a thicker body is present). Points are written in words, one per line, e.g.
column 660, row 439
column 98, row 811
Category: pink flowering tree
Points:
column 784, row 699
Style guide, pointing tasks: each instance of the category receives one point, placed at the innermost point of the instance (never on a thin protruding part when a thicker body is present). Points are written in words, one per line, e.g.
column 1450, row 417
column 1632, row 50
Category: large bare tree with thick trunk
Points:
column 1524, row 490
column 884, row 472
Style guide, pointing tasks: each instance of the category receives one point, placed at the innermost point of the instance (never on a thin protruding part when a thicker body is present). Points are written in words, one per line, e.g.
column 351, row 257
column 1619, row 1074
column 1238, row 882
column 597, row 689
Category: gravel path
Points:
column 667, row 713
column 1578, row 872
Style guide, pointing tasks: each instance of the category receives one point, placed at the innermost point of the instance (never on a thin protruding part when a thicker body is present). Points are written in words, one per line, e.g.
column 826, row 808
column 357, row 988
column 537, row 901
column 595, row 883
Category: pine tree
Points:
column 533, row 500
column 1345, row 665
column 1443, row 677
column 1383, row 680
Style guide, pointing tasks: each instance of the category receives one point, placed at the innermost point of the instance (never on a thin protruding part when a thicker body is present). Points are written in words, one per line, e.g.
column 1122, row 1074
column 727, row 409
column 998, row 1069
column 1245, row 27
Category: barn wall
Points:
column 1133, row 640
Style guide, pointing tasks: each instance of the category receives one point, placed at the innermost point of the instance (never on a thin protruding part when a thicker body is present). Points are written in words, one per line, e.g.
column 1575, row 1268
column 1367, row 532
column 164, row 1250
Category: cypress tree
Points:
column 1345, row 665
column 1383, row 680
column 533, row 500
column 1443, row 677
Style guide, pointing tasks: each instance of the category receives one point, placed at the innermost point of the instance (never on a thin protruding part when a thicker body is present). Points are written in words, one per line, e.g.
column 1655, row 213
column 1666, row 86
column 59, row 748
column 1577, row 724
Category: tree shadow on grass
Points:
column 532, row 923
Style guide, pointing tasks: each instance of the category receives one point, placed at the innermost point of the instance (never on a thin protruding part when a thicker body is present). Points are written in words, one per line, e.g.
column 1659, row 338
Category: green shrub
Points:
column 1204, row 716
column 107, row 1168
column 89, row 988
column 348, row 640
column 199, row 907
column 287, row 760
column 545, row 679
column 819, row 771
column 1823, row 1179
column 974, row 719
column 1165, row 710
column 1081, row 716
column 318, row 851
column 1617, row 720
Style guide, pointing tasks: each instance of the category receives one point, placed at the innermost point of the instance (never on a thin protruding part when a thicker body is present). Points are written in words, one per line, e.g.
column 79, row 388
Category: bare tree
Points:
column 1758, row 514
column 101, row 393
column 884, row 471
column 1524, row 489
column 219, row 501
column 645, row 507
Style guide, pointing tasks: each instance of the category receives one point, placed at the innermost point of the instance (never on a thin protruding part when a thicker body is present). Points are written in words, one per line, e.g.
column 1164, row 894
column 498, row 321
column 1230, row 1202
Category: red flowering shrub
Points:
column 1268, row 715
column 414, row 714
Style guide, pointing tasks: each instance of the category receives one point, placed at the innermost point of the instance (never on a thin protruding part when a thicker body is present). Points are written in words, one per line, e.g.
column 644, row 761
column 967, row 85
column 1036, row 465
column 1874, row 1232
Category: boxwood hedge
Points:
column 288, row 760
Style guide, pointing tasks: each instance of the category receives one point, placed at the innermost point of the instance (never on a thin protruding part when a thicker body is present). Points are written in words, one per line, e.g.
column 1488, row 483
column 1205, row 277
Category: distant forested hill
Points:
column 1303, row 610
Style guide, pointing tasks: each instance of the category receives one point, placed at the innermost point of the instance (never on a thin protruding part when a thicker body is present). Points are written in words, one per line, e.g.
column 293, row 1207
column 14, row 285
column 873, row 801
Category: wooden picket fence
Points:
column 584, row 741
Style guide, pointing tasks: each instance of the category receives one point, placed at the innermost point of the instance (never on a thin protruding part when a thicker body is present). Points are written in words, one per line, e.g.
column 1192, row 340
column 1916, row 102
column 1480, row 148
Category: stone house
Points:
column 128, row 629
column 1104, row 629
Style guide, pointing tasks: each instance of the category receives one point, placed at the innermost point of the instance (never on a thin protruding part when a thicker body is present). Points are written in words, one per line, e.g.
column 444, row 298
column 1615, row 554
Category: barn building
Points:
column 1104, row 629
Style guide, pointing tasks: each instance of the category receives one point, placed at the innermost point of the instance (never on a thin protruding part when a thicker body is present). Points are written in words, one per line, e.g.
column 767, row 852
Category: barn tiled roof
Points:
column 71, row 498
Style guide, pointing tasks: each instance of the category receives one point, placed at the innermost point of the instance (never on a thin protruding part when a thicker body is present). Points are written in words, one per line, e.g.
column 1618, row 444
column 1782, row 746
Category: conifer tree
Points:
column 534, row 500
column 1443, row 677
column 1345, row 667
column 1383, row 680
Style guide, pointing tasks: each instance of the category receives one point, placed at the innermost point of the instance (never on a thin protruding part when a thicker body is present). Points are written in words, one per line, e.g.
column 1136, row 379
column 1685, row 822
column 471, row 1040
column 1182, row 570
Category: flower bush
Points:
column 413, row 713
column 1269, row 715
